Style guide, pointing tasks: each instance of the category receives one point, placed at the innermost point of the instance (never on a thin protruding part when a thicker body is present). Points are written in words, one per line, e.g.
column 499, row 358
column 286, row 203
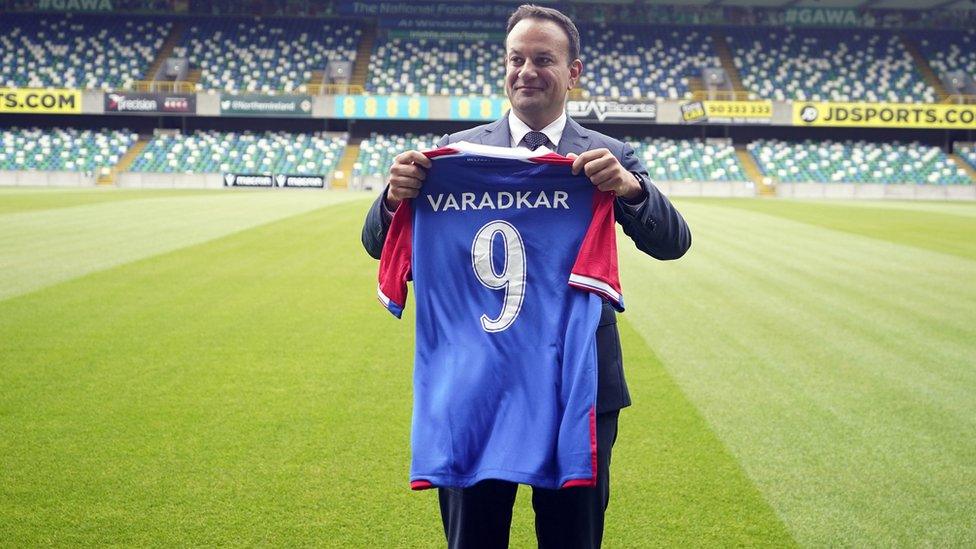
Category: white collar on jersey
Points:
column 518, row 129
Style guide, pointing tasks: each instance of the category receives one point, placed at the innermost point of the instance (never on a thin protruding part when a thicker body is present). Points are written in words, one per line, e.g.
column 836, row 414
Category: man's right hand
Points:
column 407, row 174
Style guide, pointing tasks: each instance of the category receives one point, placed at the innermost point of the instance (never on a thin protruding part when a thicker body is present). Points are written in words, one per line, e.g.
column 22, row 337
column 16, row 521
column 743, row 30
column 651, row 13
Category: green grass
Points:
column 795, row 380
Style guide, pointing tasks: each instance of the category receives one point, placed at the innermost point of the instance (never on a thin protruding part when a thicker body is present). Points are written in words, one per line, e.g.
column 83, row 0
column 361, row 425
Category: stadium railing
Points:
column 957, row 99
column 179, row 86
column 334, row 89
column 724, row 95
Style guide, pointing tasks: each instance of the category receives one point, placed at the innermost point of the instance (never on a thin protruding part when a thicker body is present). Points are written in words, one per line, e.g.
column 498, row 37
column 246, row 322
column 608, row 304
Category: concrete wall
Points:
column 670, row 188
column 177, row 180
column 170, row 180
column 737, row 189
column 875, row 191
column 46, row 179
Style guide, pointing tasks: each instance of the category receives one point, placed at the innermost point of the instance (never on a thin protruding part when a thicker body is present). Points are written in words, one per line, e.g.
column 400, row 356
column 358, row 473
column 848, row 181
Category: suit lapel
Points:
column 574, row 139
column 496, row 133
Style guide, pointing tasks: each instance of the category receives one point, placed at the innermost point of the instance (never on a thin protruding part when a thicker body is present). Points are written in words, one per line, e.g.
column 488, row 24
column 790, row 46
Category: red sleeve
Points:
column 596, row 265
column 395, row 260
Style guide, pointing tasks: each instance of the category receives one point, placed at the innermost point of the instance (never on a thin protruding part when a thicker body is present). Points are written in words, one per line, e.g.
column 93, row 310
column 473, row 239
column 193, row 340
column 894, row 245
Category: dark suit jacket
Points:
column 656, row 228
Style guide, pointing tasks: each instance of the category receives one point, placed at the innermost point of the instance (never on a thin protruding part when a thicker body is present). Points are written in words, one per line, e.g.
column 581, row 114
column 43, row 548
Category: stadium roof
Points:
column 876, row 4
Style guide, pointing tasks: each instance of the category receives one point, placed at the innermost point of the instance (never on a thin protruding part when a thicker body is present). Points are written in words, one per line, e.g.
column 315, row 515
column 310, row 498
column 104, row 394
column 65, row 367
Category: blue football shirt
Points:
column 511, row 257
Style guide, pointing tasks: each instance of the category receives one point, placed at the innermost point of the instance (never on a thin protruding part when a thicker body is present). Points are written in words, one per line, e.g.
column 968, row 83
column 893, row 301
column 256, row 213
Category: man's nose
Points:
column 528, row 71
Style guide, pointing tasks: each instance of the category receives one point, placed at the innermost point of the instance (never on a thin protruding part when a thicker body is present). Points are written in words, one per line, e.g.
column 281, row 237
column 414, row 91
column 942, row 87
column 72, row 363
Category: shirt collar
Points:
column 553, row 131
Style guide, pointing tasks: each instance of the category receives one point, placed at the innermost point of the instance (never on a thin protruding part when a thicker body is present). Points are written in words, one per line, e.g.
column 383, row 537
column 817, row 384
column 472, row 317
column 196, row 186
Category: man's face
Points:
column 538, row 71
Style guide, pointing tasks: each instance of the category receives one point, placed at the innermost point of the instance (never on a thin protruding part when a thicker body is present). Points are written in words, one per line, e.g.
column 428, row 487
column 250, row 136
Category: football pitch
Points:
column 213, row 368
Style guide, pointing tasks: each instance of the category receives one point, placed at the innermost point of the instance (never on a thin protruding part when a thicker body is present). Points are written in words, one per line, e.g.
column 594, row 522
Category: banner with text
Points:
column 266, row 105
column 74, row 5
column 428, row 10
column 478, row 108
column 393, row 107
column 605, row 110
column 727, row 112
column 300, row 181
column 150, row 103
column 40, row 101
column 884, row 115
column 273, row 180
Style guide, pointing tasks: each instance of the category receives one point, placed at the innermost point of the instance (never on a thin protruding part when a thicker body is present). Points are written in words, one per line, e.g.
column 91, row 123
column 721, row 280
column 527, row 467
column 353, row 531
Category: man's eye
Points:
column 544, row 61
column 516, row 60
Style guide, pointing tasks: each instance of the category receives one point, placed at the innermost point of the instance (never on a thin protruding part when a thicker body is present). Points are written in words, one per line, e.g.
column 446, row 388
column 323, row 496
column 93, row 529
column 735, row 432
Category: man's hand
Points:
column 605, row 171
column 407, row 174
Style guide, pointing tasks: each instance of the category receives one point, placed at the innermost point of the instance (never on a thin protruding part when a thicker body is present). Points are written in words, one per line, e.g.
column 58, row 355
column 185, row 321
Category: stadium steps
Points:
column 166, row 51
column 721, row 46
column 364, row 53
column 753, row 172
column 314, row 82
column 922, row 64
column 966, row 166
column 193, row 76
column 342, row 174
column 696, row 87
column 125, row 162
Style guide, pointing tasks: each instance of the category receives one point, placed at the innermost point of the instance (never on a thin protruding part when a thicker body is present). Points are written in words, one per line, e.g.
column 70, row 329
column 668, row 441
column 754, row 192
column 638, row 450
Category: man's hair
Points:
column 531, row 11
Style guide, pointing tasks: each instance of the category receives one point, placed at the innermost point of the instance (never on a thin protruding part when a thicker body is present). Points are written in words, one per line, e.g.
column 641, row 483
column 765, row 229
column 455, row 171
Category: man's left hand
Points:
column 605, row 171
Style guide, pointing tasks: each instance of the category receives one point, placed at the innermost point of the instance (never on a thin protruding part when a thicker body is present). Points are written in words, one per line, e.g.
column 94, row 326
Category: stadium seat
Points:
column 688, row 160
column 967, row 151
column 259, row 55
column 949, row 50
column 855, row 162
column 643, row 62
column 376, row 153
column 78, row 51
column 63, row 149
column 246, row 152
column 437, row 67
column 827, row 65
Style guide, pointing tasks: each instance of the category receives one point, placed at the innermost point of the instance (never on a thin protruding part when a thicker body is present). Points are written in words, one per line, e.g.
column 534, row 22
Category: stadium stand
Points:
column 856, row 162
column 62, row 149
column 225, row 152
column 643, row 62
column 688, row 160
column 967, row 151
column 949, row 50
column 619, row 61
column 69, row 51
column 437, row 67
column 377, row 151
column 261, row 55
column 827, row 65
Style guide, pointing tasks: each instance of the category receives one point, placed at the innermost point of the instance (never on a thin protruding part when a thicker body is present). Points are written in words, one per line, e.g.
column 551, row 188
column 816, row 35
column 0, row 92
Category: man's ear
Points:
column 575, row 70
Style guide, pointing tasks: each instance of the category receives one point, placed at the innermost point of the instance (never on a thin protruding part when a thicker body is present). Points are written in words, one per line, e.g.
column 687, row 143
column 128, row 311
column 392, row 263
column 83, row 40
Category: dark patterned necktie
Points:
column 534, row 140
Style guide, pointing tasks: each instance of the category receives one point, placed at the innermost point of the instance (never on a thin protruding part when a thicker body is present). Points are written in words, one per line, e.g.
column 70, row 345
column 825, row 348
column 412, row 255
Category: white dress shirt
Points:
column 517, row 130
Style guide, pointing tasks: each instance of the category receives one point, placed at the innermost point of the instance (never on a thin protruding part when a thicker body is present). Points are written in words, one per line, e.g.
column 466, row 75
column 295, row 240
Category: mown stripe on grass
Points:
column 838, row 369
column 23, row 199
column 43, row 247
column 940, row 227
column 246, row 391
column 250, row 390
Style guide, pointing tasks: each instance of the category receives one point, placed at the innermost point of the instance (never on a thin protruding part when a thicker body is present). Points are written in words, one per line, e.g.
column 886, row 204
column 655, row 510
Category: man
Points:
column 542, row 65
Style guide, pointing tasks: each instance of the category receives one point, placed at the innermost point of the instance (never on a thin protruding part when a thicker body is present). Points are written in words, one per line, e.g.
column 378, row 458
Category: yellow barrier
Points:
column 333, row 89
column 958, row 99
column 724, row 95
column 40, row 101
column 166, row 86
